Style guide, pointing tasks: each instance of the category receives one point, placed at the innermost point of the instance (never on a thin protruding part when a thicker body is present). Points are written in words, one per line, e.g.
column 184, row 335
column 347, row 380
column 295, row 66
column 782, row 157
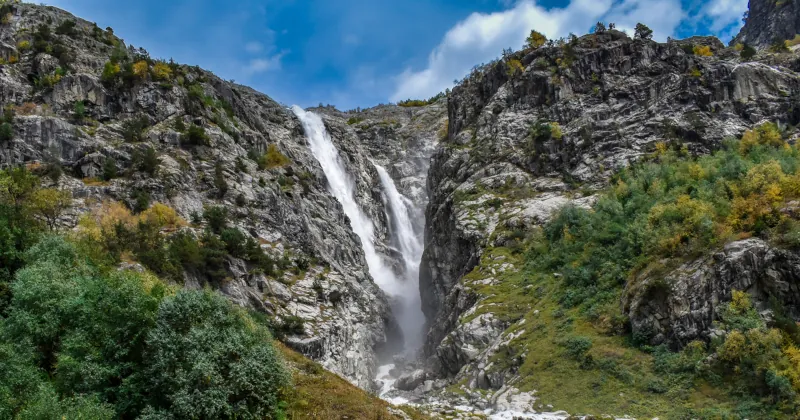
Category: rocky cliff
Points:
column 122, row 126
column 546, row 127
column 768, row 22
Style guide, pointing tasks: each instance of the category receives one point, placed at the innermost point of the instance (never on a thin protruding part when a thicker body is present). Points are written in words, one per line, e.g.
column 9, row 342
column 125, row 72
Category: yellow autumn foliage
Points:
column 140, row 69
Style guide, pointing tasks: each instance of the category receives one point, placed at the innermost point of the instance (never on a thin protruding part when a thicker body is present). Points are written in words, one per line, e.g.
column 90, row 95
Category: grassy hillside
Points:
column 562, row 297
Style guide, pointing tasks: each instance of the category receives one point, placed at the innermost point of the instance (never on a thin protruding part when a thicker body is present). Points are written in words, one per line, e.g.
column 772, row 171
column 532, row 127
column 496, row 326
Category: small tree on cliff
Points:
column 642, row 32
column 535, row 40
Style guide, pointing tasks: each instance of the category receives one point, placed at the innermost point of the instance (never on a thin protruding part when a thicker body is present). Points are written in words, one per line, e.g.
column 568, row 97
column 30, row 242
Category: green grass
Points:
column 320, row 394
column 559, row 288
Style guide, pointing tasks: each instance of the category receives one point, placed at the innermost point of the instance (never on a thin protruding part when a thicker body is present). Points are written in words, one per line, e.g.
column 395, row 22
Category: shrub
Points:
column 146, row 160
column 161, row 71
column 219, row 180
column 78, row 340
column 141, row 200
column 355, row 120
column 235, row 242
column 748, row 52
column 133, row 129
column 535, row 40
column 67, row 27
column 23, row 46
column 141, row 69
column 793, row 42
column 214, row 252
column 577, row 347
column 6, row 132
column 110, row 170
column 273, row 159
column 185, row 249
column 80, row 110
column 195, row 136
column 702, row 51
column 110, row 72
column 779, row 46
column 642, row 32
column 514, row 68
column 241, row 200
column 49, row 204
column 217, row 218
column 200, row 339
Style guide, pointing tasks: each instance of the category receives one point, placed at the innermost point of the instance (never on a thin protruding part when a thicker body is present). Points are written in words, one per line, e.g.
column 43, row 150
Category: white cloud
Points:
column 481, row 37
column 260, row 65
column 725, row 16
column 254, row 47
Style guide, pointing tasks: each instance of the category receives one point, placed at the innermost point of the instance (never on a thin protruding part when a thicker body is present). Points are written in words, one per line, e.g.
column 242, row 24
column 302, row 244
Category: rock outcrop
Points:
column 523, row 143
column 79, row 111
column 768, row 22
column 681, row 305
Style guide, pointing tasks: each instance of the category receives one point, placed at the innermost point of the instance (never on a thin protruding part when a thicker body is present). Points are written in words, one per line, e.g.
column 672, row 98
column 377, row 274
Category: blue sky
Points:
column 363, row 52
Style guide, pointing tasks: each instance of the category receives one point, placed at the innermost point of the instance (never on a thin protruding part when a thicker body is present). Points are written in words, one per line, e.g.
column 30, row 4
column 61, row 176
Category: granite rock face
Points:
column 680, row 306
column 609, row 99
column 347, row 321
column 769, row 21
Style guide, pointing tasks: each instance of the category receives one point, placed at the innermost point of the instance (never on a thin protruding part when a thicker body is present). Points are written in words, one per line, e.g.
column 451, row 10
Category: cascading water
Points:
column 411, row 248
column 403, row 291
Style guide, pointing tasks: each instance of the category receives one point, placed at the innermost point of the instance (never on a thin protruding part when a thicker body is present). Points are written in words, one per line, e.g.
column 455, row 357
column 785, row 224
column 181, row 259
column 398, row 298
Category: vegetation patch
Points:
column 559, row 293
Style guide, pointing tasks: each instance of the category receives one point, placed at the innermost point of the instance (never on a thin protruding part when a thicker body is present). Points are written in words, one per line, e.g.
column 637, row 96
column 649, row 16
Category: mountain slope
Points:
column 552, row 126
column 109, row 123
column 768, row 22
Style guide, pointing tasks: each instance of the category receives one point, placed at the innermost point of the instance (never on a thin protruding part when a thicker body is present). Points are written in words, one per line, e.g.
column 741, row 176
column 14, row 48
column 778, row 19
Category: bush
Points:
column 219, row 180
column 117, row 338
column 779, row 46
column 195, row 136
column 702, row 51
column 210, row 360
column 235, row 242
column 241, row 200
column 67, row 27
column 6, row 132
column 79, row 110
column 133, row 129
column 146, row 160
column 161, row 71
column 577, row 347
column 110, row 170
column 642, row 32
column 535, row 40
column 217, row 218
column 748, row 52
column 515, row 67
column 110, row 73
column 273, row 159
column 141, row 200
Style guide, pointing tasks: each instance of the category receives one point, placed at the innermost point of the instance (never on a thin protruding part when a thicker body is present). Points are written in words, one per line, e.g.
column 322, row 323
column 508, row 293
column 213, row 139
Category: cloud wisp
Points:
column 481, row 37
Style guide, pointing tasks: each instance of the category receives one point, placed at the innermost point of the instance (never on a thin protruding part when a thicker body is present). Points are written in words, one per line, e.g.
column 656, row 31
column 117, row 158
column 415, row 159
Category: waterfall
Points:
column 411, row 248
column 405, row 296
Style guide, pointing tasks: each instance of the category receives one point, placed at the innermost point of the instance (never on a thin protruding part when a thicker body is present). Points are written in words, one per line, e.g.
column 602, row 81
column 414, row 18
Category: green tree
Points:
column 536, row 40
column 642, row 32
column 208, row 360
column 49, row 204
column 6, row 132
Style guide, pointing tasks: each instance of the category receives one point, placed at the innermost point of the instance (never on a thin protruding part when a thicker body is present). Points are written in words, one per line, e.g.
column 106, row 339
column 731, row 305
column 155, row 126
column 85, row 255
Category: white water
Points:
column 411, row 247
column 342, row 186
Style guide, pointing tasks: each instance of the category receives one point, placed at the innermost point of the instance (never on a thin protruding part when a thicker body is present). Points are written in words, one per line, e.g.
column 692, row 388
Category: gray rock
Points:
column 768, row 21
column 682, row 305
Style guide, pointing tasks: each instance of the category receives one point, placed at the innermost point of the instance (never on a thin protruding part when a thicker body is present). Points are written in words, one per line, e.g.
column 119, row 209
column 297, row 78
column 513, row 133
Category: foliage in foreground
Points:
column 83, row 342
